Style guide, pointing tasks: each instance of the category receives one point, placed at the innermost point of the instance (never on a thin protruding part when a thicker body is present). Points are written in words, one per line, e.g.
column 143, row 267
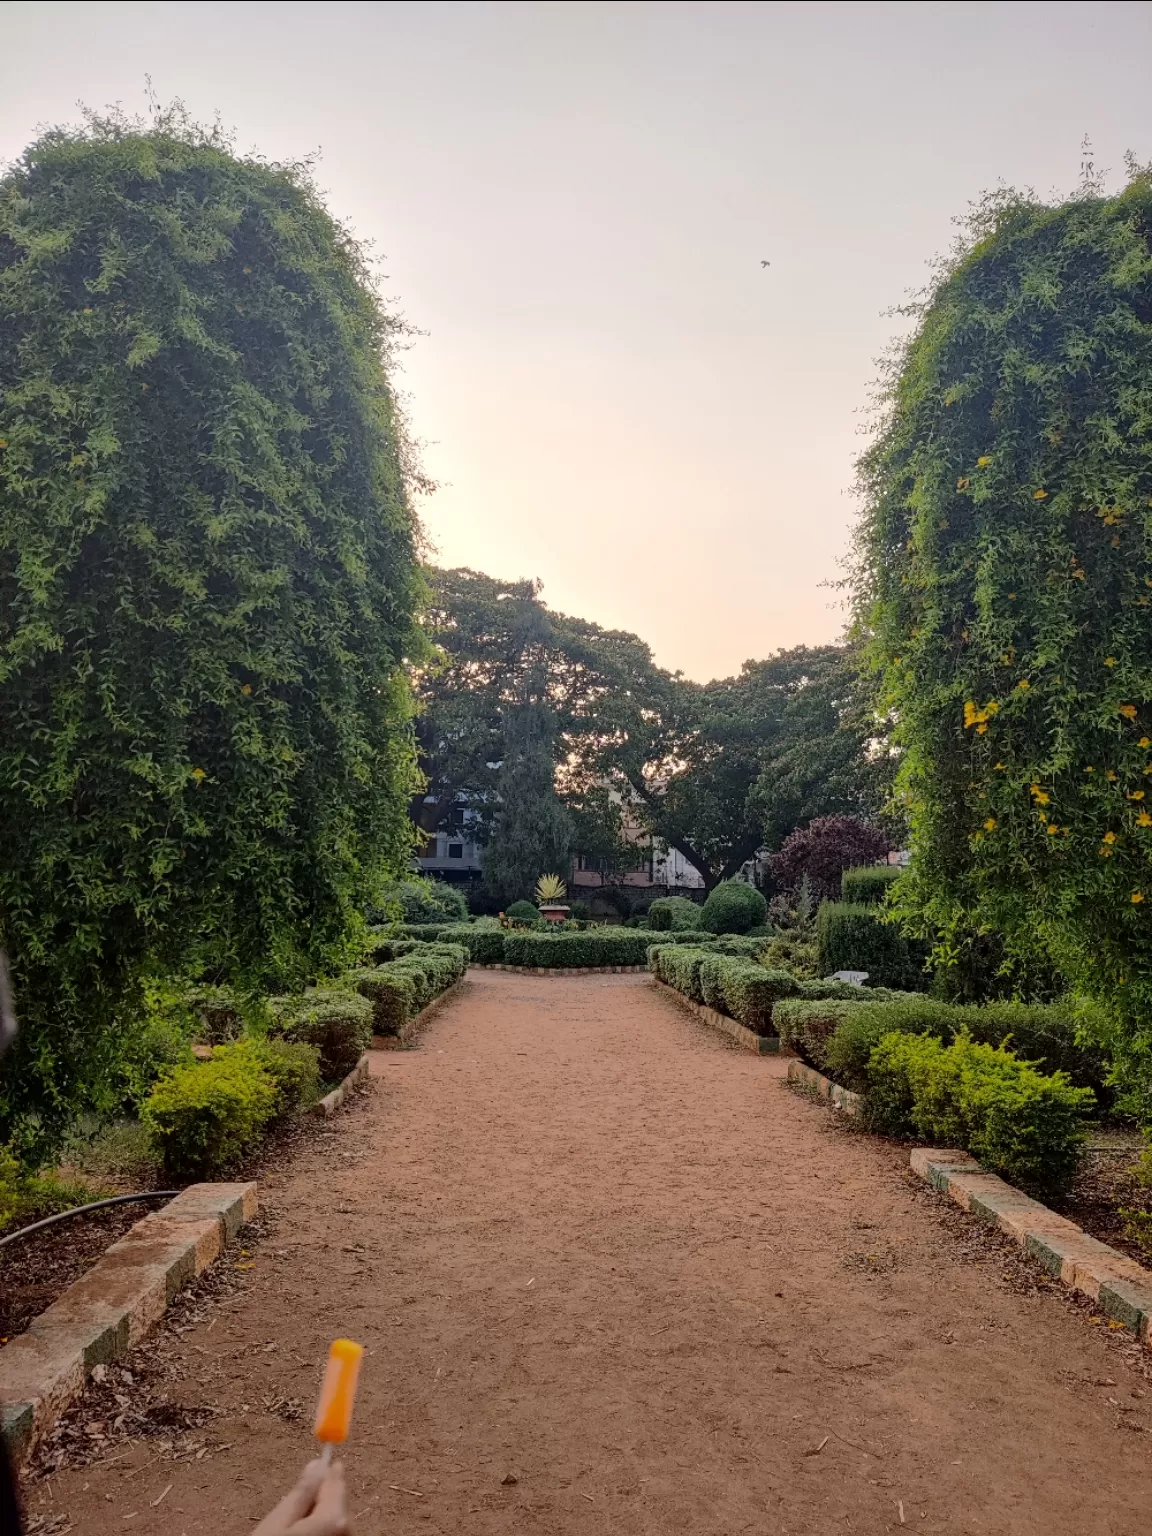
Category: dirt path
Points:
column 590, row 1245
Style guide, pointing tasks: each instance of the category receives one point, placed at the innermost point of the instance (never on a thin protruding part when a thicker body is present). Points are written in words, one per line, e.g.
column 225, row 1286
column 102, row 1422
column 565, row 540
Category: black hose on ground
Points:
column 78, row 1210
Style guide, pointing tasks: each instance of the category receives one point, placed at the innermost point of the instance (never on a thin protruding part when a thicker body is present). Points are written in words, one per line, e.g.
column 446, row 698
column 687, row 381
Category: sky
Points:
column 571, row 204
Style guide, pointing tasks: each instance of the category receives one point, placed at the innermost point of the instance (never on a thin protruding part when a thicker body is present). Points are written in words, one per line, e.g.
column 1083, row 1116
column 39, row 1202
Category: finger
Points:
column 329, row 1516
column 298, row 1502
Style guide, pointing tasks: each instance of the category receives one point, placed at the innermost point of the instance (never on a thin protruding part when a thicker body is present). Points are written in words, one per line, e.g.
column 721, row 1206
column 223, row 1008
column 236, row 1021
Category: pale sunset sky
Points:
column 572, row 202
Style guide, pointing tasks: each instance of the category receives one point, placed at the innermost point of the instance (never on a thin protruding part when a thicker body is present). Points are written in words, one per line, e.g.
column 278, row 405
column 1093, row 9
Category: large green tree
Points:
column 1006, row 580
column 207, row 584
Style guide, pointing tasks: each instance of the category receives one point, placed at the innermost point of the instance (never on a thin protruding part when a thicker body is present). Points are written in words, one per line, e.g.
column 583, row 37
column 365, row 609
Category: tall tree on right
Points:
column 1005, row 568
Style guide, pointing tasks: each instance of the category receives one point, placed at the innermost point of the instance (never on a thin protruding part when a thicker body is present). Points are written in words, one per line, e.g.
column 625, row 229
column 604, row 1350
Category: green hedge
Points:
column 683, row 936
column 868, row 884
column 1016, row 1121
column 673, row 914
column 523, row 912
column 335, row 1020
column 593, row 947
column 204, row 1117
column 838, row 1035
column 855, row 938
column 733, row 907
column 398, row 989
column 730, row 984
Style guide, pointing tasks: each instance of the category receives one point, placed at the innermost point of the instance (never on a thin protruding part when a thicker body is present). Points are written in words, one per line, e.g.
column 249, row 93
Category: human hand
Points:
column 315, row 1507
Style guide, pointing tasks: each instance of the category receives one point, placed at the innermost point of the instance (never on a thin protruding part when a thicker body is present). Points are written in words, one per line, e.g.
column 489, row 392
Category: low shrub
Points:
column 682, row 936
column 484, row 942
column 744, row 990
column 523, row 912
column 807, row 1026
column 294, row 1067
column 593, row 947
column 218, row 1014
column 678, row 966
column 792, row 952
column 162, row 1040
column 1023, row 1124
column 856, row 938
column 203, row 1118
column 25, row 1196
column 868, row 884
column 336, row 1020
column 671, row 914
column 733, row 907
column 745, row 945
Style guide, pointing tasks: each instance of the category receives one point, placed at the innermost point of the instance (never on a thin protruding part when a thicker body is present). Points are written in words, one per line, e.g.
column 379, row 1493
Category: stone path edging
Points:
column 110, row 1309
column 804, row 1076
column 763, row 1045
column 331, row 1102
column 566, row 970
column 1121, row 1288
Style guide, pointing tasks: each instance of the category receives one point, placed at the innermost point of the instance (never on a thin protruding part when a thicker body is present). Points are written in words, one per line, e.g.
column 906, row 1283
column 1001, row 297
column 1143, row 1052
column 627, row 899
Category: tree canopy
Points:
column 1006, row 581
column 207, row 582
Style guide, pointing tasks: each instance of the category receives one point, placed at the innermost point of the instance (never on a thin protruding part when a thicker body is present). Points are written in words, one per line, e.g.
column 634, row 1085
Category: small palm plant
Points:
column 549, row 889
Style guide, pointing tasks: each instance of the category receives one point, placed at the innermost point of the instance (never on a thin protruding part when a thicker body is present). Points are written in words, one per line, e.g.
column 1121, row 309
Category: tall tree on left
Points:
column 207, row 586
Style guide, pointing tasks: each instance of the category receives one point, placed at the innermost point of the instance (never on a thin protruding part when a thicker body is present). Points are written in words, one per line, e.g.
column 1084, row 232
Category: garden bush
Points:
column 1018, row 1122
column 398, row 989
column 203, row 1118
column 682, row 936
column 523, row 912
column 743, row 990
column 595, row 946
column 678, row 966
column 733, row 907
column 745, row 945
column 868, row 884
column 421, row 900
column 336, row 1020
column 294, row 1067
column 855, row 938
column 672, row 914
column 26, row 1196
column 208, row 578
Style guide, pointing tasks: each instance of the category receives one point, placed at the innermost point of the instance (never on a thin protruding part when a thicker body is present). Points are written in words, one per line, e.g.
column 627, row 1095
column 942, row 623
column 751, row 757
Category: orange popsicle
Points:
column 338, row 1393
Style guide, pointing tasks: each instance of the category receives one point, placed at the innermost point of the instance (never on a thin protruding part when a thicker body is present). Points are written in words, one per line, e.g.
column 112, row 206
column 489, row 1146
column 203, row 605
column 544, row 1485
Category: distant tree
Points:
column 531, row 832
column 207, row 587
column 822, row 851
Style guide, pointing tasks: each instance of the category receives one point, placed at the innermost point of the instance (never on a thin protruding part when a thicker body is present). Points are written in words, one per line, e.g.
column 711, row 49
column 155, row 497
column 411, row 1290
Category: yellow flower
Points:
column 247, row 270
column 1136, row 897
column 1109, row 837
column 1105, row 853
column 990, row 824
column 1039, row 495
column 982, row 728
column 1079, row 575
column 1024, row 684
column 1135, row 794
column 999, row 767
column 984, row 460
column 1145, row 741
column 1089, row 769
column 1110, row 661
column 1144, row 820
column 962, row 483
column 1053, row 829
column 1116, row 542
column 3, row 442
column 247, row 688
column 87, row 311
column 1127, row 710
column 198, row 774
column 1011, row 597
column 1112, row 775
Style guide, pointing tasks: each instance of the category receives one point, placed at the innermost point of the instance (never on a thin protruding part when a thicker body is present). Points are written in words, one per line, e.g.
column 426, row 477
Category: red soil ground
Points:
column 593, row 1248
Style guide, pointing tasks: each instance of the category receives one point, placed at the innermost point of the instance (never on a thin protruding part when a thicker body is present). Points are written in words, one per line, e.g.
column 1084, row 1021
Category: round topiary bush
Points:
column 732, row 907
column 673, row 914
column 207, row 586
column 523, row 912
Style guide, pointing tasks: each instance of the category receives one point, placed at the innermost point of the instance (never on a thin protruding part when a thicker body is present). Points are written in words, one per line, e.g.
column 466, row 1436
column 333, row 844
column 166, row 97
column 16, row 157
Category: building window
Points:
column 455, row 850
column 456, row 816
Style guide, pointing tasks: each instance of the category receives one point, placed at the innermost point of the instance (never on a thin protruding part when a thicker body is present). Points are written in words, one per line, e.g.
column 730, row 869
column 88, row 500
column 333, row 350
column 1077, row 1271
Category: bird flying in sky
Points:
column 765, row 263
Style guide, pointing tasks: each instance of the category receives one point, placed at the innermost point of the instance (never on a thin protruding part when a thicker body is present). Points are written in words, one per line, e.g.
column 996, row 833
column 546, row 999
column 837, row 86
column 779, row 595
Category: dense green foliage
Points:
column 423, row 901
column 398, row 989
column 742, row 989
column 594, row 947
column 1018, row 1122
column 523, row 912
column 675, row 914
column 1006, row 580
column 856, row 938
column 733, row 907
column 203, row 1118
column 334, row 1020
column 207, row 582
column 868, row 883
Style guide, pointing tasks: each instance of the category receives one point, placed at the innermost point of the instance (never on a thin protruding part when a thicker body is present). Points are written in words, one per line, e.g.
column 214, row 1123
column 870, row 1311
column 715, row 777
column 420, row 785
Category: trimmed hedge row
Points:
column 736, row 985
column 397, row 990
column 332, row 1019
column 593, row 947
column 1018, row 1122
column 838, row 1037
column 867, row 884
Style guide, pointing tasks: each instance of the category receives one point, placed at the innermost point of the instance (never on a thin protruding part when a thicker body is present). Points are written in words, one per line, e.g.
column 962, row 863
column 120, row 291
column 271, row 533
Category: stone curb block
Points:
column 804, row 1076
column 1121, row 1288
column 331, row 1102
column 763, row 1045
column 566, row 970
column 111, row 1308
